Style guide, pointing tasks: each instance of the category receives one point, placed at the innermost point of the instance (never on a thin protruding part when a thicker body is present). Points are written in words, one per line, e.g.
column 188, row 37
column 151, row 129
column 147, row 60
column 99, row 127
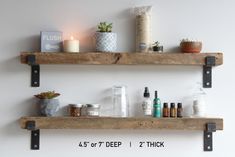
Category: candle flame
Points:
column 72, row 38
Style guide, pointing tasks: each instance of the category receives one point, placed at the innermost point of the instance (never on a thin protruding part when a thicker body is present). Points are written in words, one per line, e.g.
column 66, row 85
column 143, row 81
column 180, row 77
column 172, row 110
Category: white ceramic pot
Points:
column 106, row 41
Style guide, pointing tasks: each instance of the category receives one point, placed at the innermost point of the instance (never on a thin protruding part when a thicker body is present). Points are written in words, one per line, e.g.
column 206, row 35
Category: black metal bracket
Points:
column 207, row 71
column 208, row 136
column 35, row 135
column 35, row 71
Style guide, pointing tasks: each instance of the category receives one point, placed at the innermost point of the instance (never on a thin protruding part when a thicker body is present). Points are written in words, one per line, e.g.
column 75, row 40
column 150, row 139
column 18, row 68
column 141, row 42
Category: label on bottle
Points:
column 158, row 112
column 157, row 108
column 147, row 107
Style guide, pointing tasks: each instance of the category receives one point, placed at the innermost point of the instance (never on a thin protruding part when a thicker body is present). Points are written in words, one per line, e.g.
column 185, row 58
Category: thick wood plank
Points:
column 95, row 58
column 121, row 123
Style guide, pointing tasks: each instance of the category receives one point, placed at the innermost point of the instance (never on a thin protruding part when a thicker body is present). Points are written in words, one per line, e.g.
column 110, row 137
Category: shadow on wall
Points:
column 87, row 40
column 12, row 63
column 175, row 49
column 29, row 107
column 126, row 36
column 28, row 43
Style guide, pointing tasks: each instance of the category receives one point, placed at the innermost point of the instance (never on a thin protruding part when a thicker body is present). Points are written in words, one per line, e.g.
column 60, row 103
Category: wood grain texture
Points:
column 95, row 58
column 121, row 123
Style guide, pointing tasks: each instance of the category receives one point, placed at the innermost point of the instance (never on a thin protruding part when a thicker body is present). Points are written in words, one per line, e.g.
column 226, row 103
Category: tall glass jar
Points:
column 199, row 102
column 120, row 101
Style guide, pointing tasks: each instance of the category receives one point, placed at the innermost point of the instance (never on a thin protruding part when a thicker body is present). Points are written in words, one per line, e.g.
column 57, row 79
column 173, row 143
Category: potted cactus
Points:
column 157, row 47
column 48, row 105
column 106, row 40
column 190, row 46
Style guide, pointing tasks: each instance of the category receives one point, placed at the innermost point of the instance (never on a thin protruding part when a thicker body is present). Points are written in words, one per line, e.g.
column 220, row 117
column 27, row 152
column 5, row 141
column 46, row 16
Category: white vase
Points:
column 106, row 41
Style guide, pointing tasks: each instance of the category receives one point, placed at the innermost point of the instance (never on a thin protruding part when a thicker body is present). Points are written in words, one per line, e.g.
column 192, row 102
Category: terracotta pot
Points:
column 191, row 47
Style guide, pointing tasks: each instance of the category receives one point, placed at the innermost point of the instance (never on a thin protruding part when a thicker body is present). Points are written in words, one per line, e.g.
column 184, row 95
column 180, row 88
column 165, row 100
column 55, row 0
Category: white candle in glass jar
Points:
column 71, row 45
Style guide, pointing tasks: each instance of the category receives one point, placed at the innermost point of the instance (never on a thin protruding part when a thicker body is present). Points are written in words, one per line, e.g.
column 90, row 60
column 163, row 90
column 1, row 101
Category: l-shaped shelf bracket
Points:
column 35, row 71
column 208, row 136
column 35, row 135
column 207, row 71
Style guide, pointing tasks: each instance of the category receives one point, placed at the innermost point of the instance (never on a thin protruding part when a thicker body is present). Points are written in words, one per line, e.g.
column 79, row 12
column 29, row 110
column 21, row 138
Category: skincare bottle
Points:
column 157, row 106
column 173, row 111
column 166, row 110
column 147, row 103
column 179, row 110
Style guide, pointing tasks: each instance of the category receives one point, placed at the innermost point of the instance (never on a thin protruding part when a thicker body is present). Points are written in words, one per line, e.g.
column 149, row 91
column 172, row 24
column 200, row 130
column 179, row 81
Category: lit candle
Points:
column 71, row 45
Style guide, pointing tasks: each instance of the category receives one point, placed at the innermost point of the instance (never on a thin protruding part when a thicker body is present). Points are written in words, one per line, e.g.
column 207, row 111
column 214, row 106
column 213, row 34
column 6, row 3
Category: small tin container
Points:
column 75, row 110
column 93, row 110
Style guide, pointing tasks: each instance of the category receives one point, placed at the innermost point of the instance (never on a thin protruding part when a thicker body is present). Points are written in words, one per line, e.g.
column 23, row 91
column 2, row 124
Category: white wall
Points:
column 212, row 21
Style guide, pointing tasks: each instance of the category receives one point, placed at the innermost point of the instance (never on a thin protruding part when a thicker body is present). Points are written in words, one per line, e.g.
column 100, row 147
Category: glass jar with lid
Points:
column 93, row 110
column 75, row 110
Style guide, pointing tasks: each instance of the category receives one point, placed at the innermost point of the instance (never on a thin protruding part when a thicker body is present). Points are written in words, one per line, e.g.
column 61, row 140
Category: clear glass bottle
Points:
column 120, row 101
column 199, row 103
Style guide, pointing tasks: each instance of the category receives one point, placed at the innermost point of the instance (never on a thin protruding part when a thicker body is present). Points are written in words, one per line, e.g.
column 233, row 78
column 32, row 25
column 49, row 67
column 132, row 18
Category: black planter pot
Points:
column 158, row 48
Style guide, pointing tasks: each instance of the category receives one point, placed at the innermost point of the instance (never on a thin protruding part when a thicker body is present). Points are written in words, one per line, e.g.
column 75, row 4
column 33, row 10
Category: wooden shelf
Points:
column 122, row 123
column 95, row 58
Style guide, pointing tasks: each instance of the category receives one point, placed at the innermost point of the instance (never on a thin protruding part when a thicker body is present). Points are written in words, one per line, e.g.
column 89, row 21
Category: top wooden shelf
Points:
column 100, row 58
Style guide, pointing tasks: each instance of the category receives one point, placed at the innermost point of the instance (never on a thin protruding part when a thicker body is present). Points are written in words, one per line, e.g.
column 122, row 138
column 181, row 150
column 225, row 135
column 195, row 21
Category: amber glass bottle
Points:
column 179, row 110
column 173, row 111
column 166, row 110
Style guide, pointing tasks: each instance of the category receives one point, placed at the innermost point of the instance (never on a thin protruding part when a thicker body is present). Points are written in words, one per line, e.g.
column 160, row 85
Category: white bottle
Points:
column 199, row 103
column 147, row 103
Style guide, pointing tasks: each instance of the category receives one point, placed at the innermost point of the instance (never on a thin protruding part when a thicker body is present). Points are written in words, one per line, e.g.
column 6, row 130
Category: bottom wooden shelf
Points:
column 121, row 123
column 208, row 125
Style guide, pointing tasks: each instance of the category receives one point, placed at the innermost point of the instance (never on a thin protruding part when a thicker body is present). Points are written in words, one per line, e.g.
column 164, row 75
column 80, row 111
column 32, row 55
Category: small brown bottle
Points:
column 179, row 110
column 173, row 111
column 166, row 110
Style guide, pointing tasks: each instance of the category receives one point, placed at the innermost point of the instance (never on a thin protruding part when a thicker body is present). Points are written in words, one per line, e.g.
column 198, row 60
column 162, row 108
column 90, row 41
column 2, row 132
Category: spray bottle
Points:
column 147, row 103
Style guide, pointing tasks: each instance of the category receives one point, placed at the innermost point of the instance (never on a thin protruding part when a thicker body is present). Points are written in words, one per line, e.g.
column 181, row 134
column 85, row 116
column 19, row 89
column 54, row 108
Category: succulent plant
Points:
column 105, row 27
column 47, row 95
column 189, row 40
column 157, row 43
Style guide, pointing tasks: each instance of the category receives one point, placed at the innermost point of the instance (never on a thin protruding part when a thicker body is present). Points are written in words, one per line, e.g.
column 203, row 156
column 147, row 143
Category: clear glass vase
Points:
column 120, row 101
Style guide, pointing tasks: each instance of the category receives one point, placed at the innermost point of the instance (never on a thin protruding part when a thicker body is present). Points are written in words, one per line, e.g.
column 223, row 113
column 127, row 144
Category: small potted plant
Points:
column 48, row 105
column 157, row 47
column 106, row 40
column 190, row 46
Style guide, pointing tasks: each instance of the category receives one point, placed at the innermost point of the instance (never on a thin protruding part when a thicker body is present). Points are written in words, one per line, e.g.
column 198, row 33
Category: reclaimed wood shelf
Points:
column 96, row 58
column 207, row 60
column 121, row 123
column 208, row 125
